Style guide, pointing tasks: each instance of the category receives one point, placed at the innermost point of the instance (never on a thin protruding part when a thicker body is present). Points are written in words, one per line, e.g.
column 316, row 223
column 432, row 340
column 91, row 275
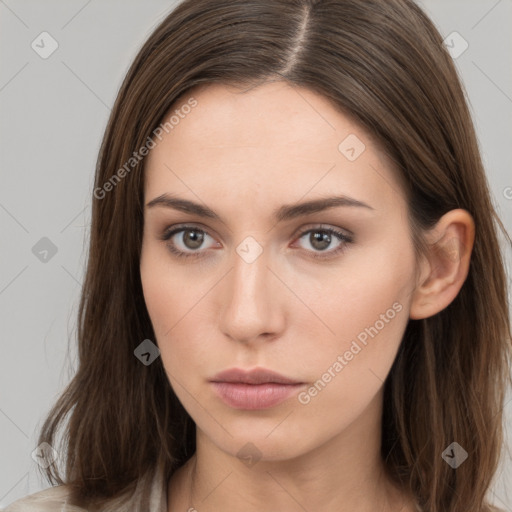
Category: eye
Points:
column 320, row 239
column 188, row 243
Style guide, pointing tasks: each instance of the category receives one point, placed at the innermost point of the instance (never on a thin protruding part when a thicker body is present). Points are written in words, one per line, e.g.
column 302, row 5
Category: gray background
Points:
column 53, row 114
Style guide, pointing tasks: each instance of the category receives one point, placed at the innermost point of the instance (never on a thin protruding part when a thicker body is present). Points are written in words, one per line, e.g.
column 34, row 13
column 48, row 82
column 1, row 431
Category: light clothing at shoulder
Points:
column 53, row 499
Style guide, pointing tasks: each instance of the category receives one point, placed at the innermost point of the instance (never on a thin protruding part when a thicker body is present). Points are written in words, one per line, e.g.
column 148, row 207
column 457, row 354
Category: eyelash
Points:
column 342, row 237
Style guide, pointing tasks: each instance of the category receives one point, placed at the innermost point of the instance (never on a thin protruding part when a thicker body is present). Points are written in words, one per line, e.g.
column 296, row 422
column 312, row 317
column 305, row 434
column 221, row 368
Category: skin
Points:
column 244, row 154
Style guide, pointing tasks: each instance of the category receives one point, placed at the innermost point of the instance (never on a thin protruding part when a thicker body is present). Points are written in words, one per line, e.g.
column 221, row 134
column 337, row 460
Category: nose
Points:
column 251, row 309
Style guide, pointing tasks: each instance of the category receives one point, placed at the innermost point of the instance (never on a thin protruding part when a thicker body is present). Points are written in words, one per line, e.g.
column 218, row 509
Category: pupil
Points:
column 193, row 239
column 322, row 237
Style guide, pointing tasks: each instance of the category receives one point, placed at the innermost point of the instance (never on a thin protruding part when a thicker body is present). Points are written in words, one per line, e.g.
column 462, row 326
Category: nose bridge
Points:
column 250, row 306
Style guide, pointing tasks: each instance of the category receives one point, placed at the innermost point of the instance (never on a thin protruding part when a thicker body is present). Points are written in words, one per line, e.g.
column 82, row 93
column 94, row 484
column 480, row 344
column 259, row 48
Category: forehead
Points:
column 274, row 140
column 275, row 113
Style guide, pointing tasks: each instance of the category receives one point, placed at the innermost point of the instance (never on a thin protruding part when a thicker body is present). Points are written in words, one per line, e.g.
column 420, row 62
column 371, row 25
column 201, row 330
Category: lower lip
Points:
column 254, row 396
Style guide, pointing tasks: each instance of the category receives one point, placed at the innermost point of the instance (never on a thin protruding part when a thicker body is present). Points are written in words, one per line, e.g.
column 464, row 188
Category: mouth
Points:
column 254, row 389
column 254, row 376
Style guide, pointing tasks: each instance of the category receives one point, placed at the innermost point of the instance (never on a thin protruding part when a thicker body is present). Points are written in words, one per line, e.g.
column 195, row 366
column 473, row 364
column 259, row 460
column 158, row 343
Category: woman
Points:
column 295, row 297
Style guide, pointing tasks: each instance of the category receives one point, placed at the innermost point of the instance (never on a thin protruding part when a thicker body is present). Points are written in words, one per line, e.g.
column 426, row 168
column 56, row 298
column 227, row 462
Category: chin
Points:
column 262, row 444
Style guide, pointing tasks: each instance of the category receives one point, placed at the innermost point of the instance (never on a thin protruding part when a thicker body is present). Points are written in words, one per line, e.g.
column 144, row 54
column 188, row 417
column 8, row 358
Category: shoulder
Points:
column 53, row 499
column 149, row 495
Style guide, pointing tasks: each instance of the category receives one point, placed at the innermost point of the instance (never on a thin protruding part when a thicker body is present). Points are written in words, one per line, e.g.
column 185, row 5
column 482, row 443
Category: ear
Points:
column 445, row 268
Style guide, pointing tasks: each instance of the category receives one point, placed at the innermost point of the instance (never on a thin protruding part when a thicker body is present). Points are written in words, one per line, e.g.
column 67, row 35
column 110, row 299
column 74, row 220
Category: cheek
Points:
column 174, row 306
column 347, row 375
column 367, row 308
column 166, row 293
column 356, row 300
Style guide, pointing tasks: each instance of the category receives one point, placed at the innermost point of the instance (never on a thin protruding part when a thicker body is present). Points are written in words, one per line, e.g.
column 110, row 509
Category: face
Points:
column 318, row 294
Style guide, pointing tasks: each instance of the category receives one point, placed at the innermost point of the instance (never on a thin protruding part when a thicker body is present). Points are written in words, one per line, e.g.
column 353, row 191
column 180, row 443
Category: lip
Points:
column 254, row 376
column 254, row 389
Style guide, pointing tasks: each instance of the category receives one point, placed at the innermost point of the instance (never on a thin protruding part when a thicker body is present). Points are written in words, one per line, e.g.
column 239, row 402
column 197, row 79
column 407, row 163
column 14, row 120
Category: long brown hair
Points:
column 382, row 62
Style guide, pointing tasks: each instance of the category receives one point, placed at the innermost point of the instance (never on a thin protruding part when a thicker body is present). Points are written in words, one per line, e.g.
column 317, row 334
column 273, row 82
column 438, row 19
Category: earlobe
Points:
column 445, row 268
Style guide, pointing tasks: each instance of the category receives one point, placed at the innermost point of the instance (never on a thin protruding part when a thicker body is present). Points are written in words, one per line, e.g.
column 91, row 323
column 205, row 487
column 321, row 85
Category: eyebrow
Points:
column 285, row 212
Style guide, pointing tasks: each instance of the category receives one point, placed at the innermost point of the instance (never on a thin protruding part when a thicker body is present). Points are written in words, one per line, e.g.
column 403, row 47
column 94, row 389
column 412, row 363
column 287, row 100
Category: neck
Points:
column 278, row 488
column 344, row 474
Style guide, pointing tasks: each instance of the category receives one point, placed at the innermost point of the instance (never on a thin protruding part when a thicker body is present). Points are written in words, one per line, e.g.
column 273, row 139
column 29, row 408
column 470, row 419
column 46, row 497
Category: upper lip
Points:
column 254, row 376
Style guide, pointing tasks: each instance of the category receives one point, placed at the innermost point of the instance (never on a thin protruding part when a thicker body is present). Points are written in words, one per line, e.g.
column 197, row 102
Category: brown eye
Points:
column 321, row 239
column 192, row 238
column 185, row 241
